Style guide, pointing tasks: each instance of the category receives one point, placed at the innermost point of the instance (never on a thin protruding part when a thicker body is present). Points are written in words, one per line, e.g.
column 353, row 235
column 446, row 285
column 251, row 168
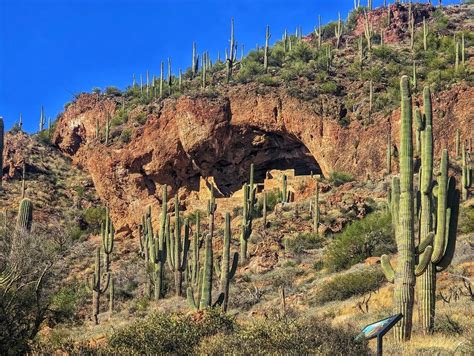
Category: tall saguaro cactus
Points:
column 178, row 249
column 246, row 224
column 466, row 175
column 107, row 233
column 338, row 30
column 231, row 57
column 284, row 190
column 265, row 56
column 389, row 154
column 443, row 245
column 25, row 215
column 316, row 212
column 157, row 254
column 208, row 268
column 227, row 271
column 404, row 276
column 98, row 288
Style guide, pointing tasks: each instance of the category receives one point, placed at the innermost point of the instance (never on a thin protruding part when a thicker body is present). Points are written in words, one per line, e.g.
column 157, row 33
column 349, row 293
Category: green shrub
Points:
column 445, row 325
column 163, row 333
column 249, row 70
column 113, row 91
column 94, row 217
column 141, row 119
column 65, row 302
column 125, row 136
column 44, row 137
column 268, row 80
column 371, row 236
column 466, row 219
column 304, row 241
column 350, row 284
column 339, row 178
column 302, row 52
column 273, row 197
column 329, row 88
column 121, row 117
column 308, row 336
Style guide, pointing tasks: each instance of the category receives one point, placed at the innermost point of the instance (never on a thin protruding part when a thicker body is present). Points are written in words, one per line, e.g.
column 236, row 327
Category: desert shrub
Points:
column 371, row 236
column 280, row 337
column 93, row 218
column 466, row 219
column 112, row 91
column 329, row 88
column 304, row 241
column 249, row 70
column 272, row 200
column 350, row 284
column 339, row 178
column 276, row 55
column 24, row 304
column 121, row 117
column 44, row 136
column 268, row 81
column 125, row 136
column 302, row 52
column 163, row 333
column 141, row 118
column 65, row 302
column 446, row 325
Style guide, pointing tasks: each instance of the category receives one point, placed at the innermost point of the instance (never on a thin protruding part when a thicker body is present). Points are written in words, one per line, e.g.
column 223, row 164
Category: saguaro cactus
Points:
column 231, row 57
column 157, row 255
column 284, row 190
column 389, row 154
column 425, row 34
column 98, row 288
column 319, row 32
column 338, row 30
column 265, row 56
column 458, row 144
column 178, row 250
column 206, row 291
column 42, row 119
column 404, row 277
column 264, row 210
column 227, row 271
column 195, row 61
column 144, row 236
column 443, row 245
column 162, row 70
column 107, row 233
column 111, row 295
column 25, row 215
column 466, row 175
column 316, row 211
column 246, row 224
column 204, row 57
column 195, row 245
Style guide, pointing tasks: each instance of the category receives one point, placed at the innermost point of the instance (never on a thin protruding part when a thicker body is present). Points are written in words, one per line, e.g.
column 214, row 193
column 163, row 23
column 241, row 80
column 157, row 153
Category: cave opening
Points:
column 268, row 151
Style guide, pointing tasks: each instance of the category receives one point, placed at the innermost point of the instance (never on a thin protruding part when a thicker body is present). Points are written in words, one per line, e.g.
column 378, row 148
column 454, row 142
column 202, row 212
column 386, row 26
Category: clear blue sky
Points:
column 51, row 49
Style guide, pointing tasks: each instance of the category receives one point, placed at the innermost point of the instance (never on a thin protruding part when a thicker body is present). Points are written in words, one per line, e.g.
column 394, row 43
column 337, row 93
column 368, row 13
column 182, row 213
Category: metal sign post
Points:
column 378, row 330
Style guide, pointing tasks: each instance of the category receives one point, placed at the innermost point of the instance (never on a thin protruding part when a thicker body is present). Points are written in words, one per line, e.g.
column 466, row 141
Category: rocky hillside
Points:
column 317, row 117
column 322, row 113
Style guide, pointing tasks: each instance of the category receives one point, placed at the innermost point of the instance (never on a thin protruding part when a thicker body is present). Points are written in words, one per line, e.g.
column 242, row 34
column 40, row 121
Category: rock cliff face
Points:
column 190, row 137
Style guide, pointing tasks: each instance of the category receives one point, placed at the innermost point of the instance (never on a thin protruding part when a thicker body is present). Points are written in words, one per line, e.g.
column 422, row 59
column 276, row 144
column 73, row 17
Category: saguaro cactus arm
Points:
column 387, row 268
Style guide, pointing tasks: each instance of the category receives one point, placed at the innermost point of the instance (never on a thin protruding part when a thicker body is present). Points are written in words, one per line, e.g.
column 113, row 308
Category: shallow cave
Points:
column 267, row 150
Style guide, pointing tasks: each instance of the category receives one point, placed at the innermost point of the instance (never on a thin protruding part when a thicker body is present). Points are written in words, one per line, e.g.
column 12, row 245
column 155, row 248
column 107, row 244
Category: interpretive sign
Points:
column 378, row 330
